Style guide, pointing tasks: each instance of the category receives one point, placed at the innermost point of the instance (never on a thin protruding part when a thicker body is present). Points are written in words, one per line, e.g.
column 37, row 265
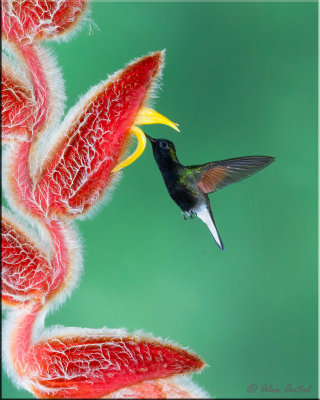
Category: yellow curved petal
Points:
column 149, row 116
column 142, row 141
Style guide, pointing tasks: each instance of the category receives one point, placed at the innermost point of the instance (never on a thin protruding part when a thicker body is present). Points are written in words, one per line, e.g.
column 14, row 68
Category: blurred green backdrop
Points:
column 241, row 79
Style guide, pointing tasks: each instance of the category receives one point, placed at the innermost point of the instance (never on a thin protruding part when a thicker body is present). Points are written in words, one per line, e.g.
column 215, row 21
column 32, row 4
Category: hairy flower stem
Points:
column 40, row 82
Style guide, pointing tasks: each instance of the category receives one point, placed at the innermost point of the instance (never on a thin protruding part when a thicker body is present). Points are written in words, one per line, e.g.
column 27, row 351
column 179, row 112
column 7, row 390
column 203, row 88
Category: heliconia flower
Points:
column 86, row 152
column 30, row 20
column 92, row 363
column 56, row 170
column 32, row 270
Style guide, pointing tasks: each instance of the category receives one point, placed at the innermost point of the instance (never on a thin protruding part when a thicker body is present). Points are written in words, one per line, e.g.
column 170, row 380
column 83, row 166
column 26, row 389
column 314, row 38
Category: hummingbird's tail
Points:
column 205, row 214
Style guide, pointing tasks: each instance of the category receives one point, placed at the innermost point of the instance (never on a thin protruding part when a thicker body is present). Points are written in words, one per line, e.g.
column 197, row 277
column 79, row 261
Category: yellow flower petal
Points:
column 142, row 141
column 149, row 116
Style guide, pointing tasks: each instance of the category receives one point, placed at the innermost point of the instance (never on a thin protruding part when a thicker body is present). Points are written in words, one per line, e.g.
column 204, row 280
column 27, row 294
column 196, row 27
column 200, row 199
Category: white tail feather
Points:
column 204, row 214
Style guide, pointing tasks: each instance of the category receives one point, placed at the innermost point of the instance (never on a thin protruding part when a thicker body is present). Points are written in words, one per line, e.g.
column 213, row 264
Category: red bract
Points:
column 18, row 107
column 41, row 85
column 94, row 365
column 26, row 270
column 29, row 273
column 93, row 138
column 30, row 20
column 32, row 91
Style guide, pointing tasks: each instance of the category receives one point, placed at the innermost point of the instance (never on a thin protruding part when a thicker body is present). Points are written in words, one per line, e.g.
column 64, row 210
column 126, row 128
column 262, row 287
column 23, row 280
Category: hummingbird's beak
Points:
column 150, row 138
column 145, row 116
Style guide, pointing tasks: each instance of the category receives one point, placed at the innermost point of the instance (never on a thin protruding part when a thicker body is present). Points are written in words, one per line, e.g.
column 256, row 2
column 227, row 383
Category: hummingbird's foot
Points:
column 184, row 215
column 192, row 214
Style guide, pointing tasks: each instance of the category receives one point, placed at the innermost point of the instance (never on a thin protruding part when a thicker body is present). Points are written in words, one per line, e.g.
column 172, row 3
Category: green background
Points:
column 240, row 79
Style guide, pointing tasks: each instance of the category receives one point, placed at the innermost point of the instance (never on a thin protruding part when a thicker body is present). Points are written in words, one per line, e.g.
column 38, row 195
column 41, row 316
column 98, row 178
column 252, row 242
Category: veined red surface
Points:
column 27, row 272
column 79, row 167
column 19, row 180
column 18, row 107
column 32, row 56
column 94, row 366
column 29, row 20
column 18, row 165
column 65, row 268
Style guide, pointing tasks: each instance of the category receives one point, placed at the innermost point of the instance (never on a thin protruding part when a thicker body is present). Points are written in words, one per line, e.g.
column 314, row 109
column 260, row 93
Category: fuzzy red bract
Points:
column 28, row 273
column 93, row 367
column 41, row 88
column 18, row 107
column 26, row 270
column 29, row 20
column 79, row 167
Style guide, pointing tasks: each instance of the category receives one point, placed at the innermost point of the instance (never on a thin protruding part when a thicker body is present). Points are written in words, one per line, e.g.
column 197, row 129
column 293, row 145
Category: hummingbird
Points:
column 189, row 186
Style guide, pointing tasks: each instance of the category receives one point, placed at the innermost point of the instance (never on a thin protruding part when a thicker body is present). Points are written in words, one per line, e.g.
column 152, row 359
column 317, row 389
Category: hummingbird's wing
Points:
column 218, row 174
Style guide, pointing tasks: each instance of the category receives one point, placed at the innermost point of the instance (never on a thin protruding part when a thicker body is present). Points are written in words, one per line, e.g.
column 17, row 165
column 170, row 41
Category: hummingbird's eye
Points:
column 163, row 144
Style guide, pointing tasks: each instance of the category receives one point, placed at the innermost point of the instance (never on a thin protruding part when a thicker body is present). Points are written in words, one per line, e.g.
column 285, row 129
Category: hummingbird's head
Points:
column 163, row 149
